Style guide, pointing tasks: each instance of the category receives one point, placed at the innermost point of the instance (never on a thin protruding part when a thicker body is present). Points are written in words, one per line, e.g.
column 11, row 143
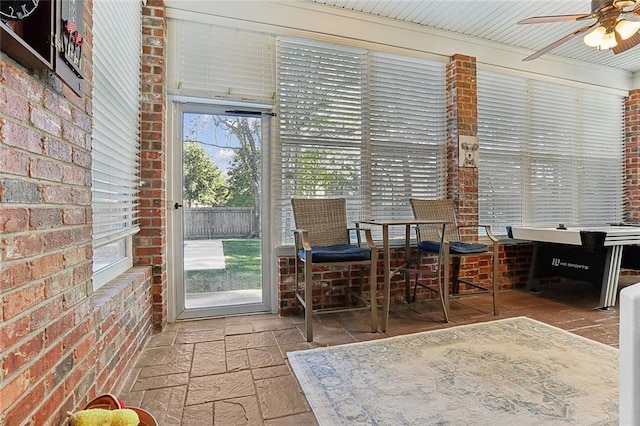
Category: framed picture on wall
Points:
column 45, row 34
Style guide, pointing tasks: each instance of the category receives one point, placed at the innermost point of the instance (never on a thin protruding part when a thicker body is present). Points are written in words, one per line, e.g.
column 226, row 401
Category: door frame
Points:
column 176, row 301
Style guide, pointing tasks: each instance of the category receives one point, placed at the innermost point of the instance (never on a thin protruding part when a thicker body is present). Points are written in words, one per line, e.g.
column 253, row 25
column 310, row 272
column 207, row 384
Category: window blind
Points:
column 364, row 125
column 116, row 112
column 602, row 166
column 322, row 93
column 502, row 128
column 553, row 147
column 407, row 131
column 218, row 62
column 549, row 153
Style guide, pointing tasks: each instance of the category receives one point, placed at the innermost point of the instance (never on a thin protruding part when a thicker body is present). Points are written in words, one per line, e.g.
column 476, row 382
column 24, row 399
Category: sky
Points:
column 214, row 140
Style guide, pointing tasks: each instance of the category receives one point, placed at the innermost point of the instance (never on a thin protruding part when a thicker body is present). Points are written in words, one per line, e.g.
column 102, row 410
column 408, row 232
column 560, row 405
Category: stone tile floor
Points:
column 234, row 370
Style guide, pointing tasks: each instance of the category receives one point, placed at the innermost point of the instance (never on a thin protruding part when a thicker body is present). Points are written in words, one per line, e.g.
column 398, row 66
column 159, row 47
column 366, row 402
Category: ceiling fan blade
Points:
column 558, row 42
column 555, row 18
column 634, row 15
column 624, row 45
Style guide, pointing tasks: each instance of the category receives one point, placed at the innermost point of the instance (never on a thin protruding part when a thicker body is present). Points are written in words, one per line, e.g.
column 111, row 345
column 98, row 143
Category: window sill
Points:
column 122, row 286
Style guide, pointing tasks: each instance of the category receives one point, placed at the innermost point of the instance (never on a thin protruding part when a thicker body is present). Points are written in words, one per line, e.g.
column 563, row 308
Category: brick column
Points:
column 151, row 243
column 462, row 120
column 631, row 163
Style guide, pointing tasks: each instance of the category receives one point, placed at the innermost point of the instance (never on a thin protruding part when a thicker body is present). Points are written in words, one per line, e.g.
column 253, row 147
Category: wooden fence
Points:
column 218, row 222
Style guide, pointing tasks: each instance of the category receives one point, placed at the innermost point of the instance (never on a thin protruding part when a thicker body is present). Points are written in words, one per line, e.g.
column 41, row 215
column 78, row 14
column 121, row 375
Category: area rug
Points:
column 515, row 371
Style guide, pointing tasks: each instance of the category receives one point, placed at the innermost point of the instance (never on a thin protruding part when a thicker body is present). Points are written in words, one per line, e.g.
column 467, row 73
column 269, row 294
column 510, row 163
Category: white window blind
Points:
column 601, row 167
column 217, row 62
column 502, row 129
column 115, row 146
column 321, row 100
column 553, row 146
column 549, row 153
column 408, row 133
column 363, row 125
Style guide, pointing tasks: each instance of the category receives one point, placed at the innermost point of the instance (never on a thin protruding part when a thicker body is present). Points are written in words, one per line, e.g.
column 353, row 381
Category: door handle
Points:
column 176, row 206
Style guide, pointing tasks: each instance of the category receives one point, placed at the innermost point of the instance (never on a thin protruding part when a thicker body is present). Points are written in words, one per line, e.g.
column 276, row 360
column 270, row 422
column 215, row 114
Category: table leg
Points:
column 609, row 290
column 373, row 290
column 387, row 277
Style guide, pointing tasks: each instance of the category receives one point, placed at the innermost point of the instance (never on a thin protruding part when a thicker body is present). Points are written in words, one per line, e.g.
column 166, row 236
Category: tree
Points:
column 321, row 171
column 248, row 131
column 244, row 176
column 203, row 181
column 240, row 187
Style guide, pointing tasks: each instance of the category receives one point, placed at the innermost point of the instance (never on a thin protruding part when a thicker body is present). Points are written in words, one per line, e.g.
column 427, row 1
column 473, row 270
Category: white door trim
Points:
column 176, row 302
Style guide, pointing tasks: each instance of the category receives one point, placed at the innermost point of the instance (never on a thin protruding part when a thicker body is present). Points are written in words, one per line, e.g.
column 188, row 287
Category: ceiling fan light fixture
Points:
column 595, row 37
column 622, row 4
column 616, row 27
column 627, row 29
column 608, row 41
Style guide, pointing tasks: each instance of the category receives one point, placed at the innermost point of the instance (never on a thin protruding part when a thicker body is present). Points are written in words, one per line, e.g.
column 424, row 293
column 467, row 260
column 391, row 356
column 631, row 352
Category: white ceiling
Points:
column 496, row 21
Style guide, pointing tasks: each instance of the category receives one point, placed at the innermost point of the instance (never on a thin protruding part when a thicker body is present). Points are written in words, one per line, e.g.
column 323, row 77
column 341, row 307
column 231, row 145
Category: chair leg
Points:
column 373, row 291
column 443, row 280
column 419, row 265
column 495, row 260
column 445, row 287
column 308, row 301
column 297, row 275
column 442, row 293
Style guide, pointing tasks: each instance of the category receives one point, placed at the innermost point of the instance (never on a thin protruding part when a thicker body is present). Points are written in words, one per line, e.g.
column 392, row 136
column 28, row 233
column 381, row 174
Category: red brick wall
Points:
column 61, row 343
column 462, row 182
column 513, row 270
column 631, row 163
column 462, row 120
column 151, row 242
column 332, row 284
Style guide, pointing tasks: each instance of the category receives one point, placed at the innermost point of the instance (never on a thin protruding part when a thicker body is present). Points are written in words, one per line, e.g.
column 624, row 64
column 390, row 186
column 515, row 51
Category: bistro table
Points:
column 388, row 273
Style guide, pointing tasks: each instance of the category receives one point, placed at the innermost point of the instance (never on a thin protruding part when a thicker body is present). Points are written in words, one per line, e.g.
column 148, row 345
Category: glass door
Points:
column 221, row 267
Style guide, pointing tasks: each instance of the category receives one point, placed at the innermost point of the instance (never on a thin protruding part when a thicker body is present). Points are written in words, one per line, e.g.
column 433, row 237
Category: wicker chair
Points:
column 452, row 249
column 322, row 238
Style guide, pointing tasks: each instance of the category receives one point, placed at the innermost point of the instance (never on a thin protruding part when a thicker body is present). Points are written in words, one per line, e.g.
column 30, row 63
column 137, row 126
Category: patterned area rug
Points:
column 516, row 371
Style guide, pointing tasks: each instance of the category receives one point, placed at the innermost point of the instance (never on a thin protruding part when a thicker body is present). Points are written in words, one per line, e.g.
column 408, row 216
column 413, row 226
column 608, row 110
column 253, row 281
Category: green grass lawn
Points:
column 243, row 269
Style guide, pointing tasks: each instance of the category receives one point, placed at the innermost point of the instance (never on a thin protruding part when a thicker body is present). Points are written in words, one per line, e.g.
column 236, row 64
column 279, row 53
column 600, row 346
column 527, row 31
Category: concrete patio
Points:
column 209, row 254
column 203, row 254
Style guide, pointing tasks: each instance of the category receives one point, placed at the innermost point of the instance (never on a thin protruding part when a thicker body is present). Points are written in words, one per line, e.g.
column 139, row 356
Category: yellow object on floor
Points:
column 102, row 417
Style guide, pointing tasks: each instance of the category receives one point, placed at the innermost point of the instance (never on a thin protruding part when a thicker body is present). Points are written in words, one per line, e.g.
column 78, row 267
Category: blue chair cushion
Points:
column 337, row 253
column 455, row 247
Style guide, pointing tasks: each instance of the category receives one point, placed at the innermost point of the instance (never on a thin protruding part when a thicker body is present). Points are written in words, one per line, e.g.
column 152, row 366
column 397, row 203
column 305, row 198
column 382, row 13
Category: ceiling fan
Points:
column 616, row 26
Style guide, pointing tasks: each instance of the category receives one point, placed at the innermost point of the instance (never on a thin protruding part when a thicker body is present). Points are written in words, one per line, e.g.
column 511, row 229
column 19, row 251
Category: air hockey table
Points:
column 584, row 253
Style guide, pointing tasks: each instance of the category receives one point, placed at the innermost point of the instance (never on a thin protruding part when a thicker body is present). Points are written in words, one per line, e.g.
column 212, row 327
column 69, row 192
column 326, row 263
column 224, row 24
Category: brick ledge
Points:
column 131, row 278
